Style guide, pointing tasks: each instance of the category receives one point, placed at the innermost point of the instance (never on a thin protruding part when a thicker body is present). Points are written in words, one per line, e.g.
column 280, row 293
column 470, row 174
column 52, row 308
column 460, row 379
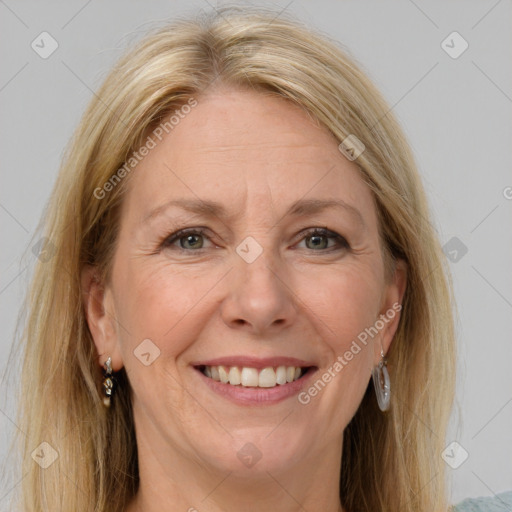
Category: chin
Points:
column 257, row 452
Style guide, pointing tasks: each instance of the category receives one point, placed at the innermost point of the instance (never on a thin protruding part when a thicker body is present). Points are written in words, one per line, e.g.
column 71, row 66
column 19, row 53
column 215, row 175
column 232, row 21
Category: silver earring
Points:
column 381, row 382
column 109, row 382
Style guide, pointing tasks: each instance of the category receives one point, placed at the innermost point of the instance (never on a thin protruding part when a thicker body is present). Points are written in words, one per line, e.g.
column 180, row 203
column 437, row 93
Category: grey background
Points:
column 455, row 112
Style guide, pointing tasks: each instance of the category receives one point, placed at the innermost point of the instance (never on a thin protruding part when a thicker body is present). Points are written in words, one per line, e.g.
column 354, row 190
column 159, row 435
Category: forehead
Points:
column 246, row 149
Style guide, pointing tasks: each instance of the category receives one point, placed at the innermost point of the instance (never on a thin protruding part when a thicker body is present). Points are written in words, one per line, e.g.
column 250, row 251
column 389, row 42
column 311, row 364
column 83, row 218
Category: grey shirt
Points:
column 497, row 503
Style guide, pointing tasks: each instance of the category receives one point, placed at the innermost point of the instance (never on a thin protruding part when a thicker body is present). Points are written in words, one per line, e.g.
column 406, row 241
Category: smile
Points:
column 268, row 377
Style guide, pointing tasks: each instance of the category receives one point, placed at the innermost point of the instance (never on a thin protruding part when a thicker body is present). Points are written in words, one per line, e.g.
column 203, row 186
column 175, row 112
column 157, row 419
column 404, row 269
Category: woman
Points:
column 192, row 345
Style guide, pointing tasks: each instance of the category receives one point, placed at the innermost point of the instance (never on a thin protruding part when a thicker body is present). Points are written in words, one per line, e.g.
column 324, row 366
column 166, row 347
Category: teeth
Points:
column 281, row 375
column 251, row 377
column 268, row 378
column 223, row 374
column 234, row 376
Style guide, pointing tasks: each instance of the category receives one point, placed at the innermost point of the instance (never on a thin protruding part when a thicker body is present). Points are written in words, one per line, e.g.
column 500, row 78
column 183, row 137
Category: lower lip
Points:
column 257, row 396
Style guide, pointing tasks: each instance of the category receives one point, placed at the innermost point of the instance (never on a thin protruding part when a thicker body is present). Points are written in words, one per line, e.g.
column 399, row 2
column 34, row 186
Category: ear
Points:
column 100, row 314
column 391, row 309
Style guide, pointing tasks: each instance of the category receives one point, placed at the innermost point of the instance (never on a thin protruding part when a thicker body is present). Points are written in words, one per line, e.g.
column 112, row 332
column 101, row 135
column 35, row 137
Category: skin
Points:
column 256, row 154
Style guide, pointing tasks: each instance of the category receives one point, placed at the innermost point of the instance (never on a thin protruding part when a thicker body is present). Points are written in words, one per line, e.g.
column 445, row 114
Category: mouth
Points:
column 250, row 377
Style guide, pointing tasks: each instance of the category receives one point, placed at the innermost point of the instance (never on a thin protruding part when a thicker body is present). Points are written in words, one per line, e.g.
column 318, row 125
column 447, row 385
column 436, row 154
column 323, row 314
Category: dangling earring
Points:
column 381, row 382
column 109, row 382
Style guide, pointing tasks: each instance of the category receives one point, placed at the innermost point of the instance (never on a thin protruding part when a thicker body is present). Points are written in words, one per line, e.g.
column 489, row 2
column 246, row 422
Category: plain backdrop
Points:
column 455, row 110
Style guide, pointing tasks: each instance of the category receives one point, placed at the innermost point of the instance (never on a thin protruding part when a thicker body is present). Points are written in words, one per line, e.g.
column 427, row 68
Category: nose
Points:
column 260, row 298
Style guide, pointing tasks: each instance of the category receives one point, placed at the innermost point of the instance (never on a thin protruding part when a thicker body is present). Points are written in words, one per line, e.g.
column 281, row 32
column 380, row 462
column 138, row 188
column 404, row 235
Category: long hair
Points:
column 391, row 461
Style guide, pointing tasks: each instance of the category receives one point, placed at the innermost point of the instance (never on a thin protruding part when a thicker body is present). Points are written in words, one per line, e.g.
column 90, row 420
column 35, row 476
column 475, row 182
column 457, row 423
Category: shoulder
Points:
column 497, row 503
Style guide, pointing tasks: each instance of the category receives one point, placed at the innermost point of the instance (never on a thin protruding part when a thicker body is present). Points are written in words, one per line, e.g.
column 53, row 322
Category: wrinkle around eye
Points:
column 336, row 242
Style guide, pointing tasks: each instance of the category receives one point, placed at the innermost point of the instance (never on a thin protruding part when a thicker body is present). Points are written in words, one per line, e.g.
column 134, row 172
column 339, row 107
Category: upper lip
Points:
column 254, row 362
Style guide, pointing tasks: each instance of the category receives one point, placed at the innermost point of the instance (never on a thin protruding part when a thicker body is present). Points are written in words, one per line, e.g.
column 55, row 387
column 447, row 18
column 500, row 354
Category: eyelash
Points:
column 182, row 233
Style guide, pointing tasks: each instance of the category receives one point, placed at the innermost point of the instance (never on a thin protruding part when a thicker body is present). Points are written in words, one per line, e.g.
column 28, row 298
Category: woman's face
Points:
column 249, row 286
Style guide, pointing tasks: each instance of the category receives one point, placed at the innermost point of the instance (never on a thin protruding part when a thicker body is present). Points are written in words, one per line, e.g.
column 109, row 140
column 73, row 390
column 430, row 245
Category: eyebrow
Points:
column 208, row 208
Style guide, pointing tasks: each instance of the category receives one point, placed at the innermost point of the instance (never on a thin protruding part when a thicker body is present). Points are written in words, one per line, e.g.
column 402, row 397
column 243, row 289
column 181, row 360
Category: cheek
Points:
column 157, row 310
column 347, row 301
column 170, row 306
column 159, row 303
column 344, row 303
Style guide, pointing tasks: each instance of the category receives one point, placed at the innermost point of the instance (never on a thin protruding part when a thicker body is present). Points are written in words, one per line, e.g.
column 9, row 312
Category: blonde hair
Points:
column 391, row 461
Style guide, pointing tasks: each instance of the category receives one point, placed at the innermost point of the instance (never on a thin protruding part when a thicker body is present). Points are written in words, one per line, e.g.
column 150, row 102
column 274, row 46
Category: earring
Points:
column 381, row 382
column 109, row 382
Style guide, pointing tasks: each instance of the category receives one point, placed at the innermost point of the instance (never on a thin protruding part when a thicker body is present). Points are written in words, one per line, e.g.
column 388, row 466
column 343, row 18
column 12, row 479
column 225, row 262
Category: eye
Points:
column 317, row 236
column 191, row 239
column 190, row 236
